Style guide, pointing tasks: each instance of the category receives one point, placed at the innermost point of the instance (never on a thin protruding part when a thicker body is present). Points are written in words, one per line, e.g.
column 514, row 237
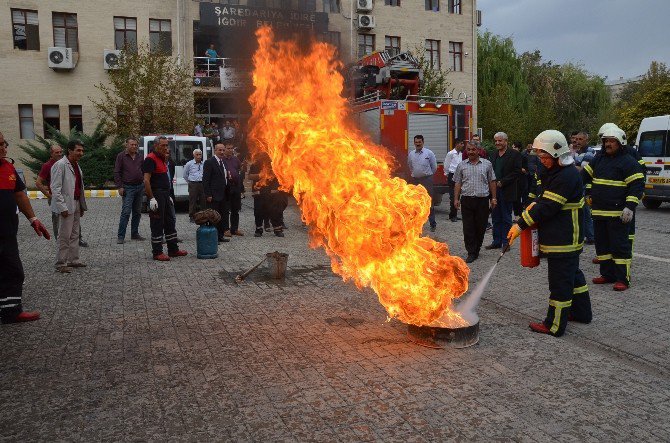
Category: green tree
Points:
column 435, row 82
column 150, row 92
column 97, row 162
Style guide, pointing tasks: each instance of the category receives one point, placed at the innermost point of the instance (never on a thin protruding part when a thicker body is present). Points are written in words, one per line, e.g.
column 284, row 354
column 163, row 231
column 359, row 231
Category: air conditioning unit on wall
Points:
column 366, row 21
column 364, row 5
column 61, row 58
column 110, row 59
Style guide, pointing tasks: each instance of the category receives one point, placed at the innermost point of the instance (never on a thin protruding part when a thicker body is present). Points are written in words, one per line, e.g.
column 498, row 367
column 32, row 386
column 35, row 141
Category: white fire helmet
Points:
column 607, row 126
column 615, row 132
column 552, row 142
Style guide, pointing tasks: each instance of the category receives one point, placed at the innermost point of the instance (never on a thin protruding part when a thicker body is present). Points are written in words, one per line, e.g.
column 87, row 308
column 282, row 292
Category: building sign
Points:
column 234, row 79
column 238, row 17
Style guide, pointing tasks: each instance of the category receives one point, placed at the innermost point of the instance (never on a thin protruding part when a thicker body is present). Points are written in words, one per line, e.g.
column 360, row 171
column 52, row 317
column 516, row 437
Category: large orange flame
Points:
column 368, row 222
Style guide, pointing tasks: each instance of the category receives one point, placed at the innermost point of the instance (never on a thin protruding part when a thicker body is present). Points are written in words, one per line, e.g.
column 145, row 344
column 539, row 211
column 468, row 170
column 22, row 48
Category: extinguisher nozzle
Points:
column 504, row 251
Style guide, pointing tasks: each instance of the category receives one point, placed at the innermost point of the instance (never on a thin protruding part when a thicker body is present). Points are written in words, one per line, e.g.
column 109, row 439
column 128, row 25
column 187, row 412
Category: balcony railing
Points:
column 237, row 73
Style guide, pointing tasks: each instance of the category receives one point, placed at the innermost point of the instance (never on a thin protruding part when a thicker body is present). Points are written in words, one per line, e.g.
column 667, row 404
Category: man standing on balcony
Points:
column 212, row 60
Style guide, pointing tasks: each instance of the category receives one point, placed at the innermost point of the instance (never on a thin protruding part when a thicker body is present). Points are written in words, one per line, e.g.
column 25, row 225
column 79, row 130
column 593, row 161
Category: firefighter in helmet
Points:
column 616, row 185
column 643, row 169
column 558, row 214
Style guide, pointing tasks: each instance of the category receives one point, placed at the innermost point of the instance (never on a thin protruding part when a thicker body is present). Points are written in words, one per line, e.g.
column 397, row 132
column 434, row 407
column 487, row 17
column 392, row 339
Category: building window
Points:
column 331, row 6
column 366, row 44
column 332, row 37
column 26, row 123
column 392, row 45
column 125, row 33
column 456, row 55
column 26, row 30
column 51, row 117
column 160, row 36
column 76, row 118
column 433, row 53
column 454, row 6
column 307, row 5
column 392, row 2
column 433, row 5
column 66, row 33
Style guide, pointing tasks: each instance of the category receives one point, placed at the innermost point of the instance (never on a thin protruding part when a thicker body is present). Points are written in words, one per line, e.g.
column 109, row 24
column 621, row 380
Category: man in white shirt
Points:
column 422, row 165
column 193, row 176
column 453, row 158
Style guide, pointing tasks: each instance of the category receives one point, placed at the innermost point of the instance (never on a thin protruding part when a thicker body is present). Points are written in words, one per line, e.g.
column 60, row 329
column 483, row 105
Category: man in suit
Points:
column 507, row 167
column 69, row 201
column 214, row 181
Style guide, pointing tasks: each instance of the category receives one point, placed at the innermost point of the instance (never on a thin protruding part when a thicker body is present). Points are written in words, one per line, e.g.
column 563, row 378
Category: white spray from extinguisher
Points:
column 467, row 307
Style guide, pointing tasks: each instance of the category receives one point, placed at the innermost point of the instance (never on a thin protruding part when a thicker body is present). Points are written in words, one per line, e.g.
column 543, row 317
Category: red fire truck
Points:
column 378, row 83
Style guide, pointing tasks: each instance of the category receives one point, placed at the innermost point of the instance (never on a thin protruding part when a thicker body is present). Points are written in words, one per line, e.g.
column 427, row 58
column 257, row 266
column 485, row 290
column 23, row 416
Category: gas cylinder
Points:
column 530, row 247
column 207, row 241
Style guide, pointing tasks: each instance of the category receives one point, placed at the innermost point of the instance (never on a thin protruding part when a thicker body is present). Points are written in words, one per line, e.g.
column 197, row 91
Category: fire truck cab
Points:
column 379, row 82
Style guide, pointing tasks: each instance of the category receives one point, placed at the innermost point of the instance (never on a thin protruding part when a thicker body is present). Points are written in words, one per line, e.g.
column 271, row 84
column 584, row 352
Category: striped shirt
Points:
column 474, row 178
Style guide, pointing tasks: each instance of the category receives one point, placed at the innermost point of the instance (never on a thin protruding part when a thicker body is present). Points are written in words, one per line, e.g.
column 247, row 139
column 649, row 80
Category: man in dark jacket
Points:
column 214, row 181
column 507, row 167
column 558, row 213
column 614, row 186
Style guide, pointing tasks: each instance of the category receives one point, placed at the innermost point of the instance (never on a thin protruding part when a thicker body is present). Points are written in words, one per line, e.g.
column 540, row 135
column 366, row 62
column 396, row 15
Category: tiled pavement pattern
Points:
column 130, row 350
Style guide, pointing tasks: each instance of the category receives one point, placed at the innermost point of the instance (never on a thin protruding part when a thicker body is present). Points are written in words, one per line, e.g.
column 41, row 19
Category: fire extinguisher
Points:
column 530, row 247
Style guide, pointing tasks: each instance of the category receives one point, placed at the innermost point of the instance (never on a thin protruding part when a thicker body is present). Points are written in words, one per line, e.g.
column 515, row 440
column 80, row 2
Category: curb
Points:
column 92, row 193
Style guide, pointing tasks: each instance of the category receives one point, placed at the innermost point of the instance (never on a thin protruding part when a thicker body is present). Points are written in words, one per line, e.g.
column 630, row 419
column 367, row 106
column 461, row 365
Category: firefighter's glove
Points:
column 153, row 204
column 627, row 215
column 513, row 233
column 588, row 200
column 40, row 229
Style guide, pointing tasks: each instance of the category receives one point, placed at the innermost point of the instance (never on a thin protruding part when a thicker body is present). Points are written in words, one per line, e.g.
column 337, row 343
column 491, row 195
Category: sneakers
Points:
column 258, row 232
column 178, row 253
column 161, row 257
column 539, row 327
column 601, row 280
column 620, row 286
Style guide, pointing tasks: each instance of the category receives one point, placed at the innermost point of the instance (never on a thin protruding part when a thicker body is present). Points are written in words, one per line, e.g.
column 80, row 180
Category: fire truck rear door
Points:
column 370, row 122
column 435, row 131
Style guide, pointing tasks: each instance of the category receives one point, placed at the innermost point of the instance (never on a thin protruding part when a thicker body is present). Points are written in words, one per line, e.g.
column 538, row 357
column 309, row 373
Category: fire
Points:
column 368, row 222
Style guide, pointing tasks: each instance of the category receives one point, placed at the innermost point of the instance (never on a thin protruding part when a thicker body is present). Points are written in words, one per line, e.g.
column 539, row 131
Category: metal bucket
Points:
column 277, row 262
column 435, row 337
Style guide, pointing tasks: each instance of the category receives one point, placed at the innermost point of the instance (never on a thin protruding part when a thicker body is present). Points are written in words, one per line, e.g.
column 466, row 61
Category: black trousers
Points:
column 568, row 292
column 475, row 214
column 163, row 223
column 235, row 205
column 222, row 208
column 267, row 208
column 613, row 248
column 11, row 278
column 453, row 212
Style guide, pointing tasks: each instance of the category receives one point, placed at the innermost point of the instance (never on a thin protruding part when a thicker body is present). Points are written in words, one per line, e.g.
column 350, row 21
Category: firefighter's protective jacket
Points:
column 614, row 183
column 558, row 212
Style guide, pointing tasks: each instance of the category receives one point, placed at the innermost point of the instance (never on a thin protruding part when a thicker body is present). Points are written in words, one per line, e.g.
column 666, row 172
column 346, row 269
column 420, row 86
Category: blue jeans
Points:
column 588, row 224
column 132, row 203
column 501, row 216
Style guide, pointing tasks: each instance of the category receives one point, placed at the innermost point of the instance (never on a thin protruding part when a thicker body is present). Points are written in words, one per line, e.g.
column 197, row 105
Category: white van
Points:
column 181, row 151
column 653, row 145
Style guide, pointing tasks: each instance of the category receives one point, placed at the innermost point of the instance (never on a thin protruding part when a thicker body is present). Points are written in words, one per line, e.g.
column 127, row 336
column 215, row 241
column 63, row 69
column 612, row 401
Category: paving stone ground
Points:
column 129, row 349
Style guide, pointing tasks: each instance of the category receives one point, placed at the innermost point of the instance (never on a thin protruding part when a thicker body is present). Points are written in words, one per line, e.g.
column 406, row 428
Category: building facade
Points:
column 43, row 85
